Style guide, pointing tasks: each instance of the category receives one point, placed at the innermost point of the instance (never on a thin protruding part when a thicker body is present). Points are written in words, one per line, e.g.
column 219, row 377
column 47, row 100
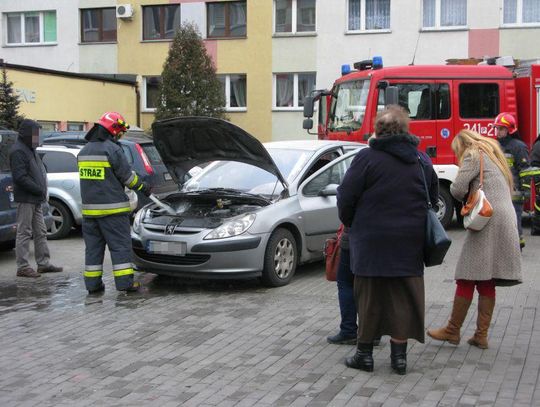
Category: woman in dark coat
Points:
column 383, row 200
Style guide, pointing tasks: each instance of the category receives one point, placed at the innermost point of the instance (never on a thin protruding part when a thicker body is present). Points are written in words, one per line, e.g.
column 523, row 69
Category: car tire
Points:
column 445, row 206
column 280, row 259
column 5, row 246
column 62, row 220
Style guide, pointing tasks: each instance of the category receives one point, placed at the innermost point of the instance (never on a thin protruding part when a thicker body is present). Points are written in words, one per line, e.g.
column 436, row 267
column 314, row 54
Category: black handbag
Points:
column 436, row 242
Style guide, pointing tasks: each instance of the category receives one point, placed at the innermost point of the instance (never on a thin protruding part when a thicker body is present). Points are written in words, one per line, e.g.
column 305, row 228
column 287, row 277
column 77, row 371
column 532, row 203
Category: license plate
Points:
column 170, row 248
column 167, row 176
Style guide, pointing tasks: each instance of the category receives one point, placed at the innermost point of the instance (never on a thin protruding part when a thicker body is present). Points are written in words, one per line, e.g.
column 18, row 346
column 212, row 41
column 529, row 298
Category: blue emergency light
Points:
column 345, row 69
column 377, row 62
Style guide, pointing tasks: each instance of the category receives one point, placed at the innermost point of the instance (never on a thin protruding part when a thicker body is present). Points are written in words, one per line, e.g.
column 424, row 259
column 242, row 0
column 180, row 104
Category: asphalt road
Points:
column 237, row 343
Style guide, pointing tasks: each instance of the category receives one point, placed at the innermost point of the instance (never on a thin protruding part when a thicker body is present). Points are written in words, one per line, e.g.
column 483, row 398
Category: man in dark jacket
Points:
column 531, row 176
column 517, row 157
column 104, row 172
column 30, row 192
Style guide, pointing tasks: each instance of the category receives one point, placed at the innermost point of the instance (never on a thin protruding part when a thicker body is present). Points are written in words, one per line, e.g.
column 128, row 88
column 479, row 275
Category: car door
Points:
column 319, row 213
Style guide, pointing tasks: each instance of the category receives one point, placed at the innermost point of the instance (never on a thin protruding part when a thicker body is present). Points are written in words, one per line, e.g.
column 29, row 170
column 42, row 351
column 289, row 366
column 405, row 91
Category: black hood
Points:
column 185, row 142
column 402, row 146
column 98, row 133
column 26, row 129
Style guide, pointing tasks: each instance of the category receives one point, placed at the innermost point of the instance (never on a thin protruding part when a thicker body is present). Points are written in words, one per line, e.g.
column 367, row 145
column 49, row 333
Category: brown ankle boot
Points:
column 451, row 332
column 485, row 312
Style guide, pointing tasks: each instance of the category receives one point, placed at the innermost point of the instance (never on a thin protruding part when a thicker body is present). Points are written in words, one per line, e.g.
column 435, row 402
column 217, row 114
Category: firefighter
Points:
column 103, row 172
column 531, row 176
column 517, row 157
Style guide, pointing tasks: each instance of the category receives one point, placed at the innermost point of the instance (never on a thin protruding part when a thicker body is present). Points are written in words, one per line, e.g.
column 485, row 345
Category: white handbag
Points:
column 477, row 211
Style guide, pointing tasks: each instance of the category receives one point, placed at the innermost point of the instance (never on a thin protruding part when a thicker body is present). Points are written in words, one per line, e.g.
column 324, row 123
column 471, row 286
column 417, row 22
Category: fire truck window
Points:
column 478, row 100
column 416, row 99
column 443, row 102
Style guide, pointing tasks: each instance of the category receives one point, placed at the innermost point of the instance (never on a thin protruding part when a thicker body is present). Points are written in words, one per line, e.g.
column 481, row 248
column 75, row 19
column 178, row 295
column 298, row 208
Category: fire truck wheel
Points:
column 445, row 206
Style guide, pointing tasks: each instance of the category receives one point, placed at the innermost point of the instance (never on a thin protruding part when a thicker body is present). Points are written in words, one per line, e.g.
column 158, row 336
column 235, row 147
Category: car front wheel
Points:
column 62, row 221
column 280, row 259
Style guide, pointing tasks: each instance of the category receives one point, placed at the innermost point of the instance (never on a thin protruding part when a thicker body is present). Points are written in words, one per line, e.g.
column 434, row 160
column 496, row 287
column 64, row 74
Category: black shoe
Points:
column 340, row 339
column 362, row 359
column 98, row 290
column 398, row 357
column 136, row 286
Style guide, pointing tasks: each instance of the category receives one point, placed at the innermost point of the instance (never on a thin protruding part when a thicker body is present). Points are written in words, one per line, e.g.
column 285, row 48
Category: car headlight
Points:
column 232, row 228
column 137, row 221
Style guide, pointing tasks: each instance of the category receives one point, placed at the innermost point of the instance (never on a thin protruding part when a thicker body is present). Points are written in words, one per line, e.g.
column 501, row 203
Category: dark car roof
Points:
column 77, row 137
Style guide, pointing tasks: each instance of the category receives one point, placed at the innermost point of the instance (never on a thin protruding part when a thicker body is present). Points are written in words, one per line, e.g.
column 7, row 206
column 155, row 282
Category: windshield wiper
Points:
column 231, row 190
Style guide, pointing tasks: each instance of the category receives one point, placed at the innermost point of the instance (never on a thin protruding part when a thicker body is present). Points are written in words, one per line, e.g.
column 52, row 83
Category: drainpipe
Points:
column 138, row 103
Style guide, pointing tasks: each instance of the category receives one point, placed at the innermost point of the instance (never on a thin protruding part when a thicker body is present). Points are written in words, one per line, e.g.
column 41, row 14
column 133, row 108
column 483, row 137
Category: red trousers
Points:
column 465, row 288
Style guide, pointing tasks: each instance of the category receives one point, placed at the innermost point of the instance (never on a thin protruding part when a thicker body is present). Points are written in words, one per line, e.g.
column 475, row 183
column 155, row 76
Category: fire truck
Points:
column 440, row 99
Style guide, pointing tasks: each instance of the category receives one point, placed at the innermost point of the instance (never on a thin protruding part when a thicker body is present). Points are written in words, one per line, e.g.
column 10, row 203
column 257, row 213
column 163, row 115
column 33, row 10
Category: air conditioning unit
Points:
column 124, row 11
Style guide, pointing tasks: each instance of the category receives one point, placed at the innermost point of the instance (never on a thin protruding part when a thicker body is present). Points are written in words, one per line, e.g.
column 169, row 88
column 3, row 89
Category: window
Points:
column 234, row 89
column 290, row 89
column 151, row 92
column 369, row 15
column 160, row 22
column 29, row 28
column 478, row 100
column 521, row 12
column 57, row 161
column 98, row 25
column 75, row 126
column 47, row 126
column 226, row 19
column 294, row 16
column 444, row 13
column 332, row 175
column 348, row 108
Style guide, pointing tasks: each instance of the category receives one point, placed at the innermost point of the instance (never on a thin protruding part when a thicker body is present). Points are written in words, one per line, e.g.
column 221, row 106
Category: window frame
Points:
column 294, row 21
column 161, row 8
column 296, row 106
column 363, row 17
column 227, row 78
column 144, row 94
column 227, row 17
column 100, row 30
column 81, row 126
column 519, row 17
column 23, row 42
column 438, row 26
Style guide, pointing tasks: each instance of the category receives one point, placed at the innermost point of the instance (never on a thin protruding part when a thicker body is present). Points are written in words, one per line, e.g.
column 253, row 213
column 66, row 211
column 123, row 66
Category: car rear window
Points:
column 57, row 161
column 6, row 141
column 151, row 152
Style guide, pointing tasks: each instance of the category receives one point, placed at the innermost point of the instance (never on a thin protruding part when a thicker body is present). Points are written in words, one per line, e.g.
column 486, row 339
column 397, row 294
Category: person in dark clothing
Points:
column 531, row 177
column 382, row 200
column 104, row 172
column 517, row 157
column 30, row 192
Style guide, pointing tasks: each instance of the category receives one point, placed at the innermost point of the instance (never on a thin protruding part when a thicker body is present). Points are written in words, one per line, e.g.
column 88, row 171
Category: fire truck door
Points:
column 445, row 130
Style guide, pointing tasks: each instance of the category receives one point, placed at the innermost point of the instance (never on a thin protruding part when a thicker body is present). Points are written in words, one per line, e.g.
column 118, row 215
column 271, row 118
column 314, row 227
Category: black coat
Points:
column 535, row 153
column 29, row 175
column 383, row 199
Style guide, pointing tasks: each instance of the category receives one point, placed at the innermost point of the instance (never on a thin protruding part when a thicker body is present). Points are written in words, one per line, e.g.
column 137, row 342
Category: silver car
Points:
column 255, row 211
column 64, row 189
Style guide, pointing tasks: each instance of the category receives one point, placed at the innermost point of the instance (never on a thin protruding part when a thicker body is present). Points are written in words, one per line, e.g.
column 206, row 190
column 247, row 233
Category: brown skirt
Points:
column 390, row 306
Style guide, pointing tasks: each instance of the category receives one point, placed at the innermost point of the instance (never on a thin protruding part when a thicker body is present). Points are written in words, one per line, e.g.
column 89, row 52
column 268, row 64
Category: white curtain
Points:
column 172, row 20
column 238, row 19
column 510, row 11
column 151, row 23
column 14, row 28
column 284, row 90
column 305, row 16
column 453, row 13
column 429, row 13
column 377, row 14
column 354, row 15
column 531, row 11
column 306, row 83
column 216, row 19
column 238, row 90
column 31, row 27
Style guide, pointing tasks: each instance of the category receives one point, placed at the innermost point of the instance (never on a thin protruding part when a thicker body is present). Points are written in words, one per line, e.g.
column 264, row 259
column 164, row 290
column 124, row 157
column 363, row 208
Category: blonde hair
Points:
column 469, row 143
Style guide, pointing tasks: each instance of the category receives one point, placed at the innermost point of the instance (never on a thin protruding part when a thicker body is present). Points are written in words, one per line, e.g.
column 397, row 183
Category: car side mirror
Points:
column 391, row 95
column 308, row 106
column 307, row 124
column 329, row 190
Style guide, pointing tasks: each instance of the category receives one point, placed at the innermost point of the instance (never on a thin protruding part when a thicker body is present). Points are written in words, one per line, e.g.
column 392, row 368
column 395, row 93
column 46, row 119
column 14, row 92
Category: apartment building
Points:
column 268, row 53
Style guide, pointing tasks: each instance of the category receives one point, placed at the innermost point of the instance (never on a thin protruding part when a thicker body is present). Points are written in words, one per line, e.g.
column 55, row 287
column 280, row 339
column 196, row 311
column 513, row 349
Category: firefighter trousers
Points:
column 113, row 231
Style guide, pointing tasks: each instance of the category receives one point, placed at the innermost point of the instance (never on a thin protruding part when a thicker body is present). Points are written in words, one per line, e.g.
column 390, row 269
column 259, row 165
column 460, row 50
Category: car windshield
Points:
column 348, row 106
column 248, row 178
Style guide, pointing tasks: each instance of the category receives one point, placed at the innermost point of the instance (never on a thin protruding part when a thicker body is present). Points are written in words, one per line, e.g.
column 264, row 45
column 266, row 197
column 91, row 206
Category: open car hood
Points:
column 186, row 142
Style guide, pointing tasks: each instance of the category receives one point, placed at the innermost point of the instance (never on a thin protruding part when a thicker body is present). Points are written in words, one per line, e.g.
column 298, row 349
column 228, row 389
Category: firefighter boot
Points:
column 363, row 358
column 485, row 312
column 398, row 357
column 92, row 278
column 451, row 332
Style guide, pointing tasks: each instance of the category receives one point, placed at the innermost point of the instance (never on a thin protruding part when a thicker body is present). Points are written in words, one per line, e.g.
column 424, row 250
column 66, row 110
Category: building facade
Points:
column 268, row 54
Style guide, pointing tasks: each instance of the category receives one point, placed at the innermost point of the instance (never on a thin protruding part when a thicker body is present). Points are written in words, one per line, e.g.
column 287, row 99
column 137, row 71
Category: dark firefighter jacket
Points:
column 29, row 176
column 535, row 153
column 516, row 155
column 104, row 171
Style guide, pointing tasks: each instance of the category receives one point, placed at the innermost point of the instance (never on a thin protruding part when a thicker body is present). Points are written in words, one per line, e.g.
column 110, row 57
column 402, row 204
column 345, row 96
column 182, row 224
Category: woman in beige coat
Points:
column 489, row 257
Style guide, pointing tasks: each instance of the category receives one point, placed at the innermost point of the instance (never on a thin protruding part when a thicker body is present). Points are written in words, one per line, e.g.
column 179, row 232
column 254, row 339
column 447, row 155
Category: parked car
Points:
column 140, row 152
column 258, row 211
column 8, row 208
column 64, row 188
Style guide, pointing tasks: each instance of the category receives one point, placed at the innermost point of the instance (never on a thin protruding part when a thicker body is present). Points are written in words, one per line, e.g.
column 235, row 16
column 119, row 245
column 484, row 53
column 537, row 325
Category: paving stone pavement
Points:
column 236, row 343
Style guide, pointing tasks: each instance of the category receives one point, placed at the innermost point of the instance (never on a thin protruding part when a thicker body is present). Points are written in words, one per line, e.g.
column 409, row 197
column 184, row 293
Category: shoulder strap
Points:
column 425, row 183
column 481, row 170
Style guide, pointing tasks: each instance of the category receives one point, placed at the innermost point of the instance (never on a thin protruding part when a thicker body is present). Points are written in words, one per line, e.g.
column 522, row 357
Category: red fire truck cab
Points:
column 440, row 99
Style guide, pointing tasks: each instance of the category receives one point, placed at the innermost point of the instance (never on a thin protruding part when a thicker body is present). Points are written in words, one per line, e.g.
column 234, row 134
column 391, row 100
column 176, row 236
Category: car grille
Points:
column 178, row 230
column 187, row 260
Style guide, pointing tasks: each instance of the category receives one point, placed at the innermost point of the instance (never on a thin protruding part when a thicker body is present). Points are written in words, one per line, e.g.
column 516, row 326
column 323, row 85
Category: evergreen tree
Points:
column 9, row 103
column 189, row 85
